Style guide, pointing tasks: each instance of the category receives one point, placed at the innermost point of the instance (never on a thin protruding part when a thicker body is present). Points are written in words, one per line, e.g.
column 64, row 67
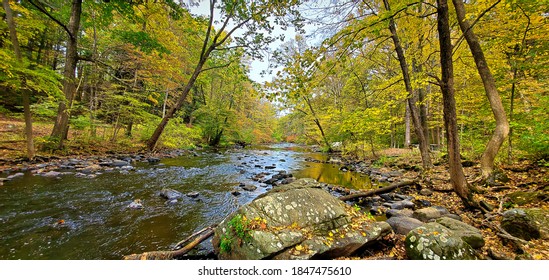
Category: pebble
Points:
column 136, row 204
column 193, row 194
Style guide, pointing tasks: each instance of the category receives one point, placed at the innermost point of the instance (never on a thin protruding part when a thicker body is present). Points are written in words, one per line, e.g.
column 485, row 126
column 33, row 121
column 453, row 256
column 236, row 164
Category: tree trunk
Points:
column 317, row 122
column 407, row 134
column 60, row 128
column 25, row 92
column 423, row 146
column 422, row 99
column 519, row 50
column 457, row 177
column 129, row 129
column 502, row 125
column 217, row 138
column 511, row 112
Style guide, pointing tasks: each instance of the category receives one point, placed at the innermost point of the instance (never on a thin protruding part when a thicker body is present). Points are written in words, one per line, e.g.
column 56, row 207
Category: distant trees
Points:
column 128, row 66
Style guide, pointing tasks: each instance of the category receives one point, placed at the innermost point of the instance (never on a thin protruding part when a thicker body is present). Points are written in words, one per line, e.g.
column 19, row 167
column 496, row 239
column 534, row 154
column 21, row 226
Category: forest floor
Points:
column 13, row 145
column 523, row 175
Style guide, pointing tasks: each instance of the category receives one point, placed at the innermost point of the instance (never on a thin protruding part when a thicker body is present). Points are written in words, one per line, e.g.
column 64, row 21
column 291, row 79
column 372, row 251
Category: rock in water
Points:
column 427, row 214
column 249, row 188
column 193, row 194
column 295, row 221
column 170, row 194
column 52, row 174
column 136, row 204
column 403, row 224
column 119, row 163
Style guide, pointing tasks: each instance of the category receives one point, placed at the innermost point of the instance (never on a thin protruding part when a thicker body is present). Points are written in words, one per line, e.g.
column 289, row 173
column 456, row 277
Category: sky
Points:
column 257, row 66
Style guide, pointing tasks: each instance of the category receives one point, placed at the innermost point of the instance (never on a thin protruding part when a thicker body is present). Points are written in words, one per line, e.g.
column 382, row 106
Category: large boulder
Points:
column 295, row 221
column 528, row 224
column 434, row 241
column 468, row 233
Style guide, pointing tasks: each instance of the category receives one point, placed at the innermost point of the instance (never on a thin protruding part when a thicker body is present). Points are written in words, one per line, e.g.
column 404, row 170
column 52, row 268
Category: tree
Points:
column 252, row 14
column 502, row 125
column 411, row 100
column 457, row 177
column 25, row 92
column 61, row 126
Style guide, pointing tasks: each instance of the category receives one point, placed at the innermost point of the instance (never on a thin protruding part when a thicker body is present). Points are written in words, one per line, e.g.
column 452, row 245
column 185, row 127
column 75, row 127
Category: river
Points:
column 88, row 218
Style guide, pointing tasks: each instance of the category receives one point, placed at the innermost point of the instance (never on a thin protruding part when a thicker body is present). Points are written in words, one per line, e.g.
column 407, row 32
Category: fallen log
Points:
column 168, row 255
column 182, row 242
column 378, row 191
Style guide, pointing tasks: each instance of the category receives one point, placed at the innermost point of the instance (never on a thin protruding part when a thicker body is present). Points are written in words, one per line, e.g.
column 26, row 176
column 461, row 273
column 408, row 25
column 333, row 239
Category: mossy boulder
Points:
column 522, row 197
column 468, row 233
column 295, row 221
column 528, row 224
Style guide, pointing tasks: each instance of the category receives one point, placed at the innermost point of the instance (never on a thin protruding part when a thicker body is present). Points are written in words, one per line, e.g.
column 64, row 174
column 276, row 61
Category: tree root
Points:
column 168, row 255
column 518, row 243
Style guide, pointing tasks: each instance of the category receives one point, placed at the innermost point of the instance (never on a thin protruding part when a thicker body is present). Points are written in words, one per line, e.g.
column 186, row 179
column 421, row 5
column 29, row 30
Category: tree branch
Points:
column 217, row 66
column 208, row 31
column 460, row 40
column 41, row 9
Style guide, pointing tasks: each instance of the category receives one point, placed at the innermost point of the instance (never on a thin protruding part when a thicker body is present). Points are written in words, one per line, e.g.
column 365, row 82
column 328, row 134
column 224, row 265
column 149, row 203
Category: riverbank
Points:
column 523, row 184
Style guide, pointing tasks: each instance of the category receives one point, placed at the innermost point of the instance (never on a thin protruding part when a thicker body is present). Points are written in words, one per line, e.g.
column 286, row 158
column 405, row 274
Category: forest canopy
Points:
column 152, row 73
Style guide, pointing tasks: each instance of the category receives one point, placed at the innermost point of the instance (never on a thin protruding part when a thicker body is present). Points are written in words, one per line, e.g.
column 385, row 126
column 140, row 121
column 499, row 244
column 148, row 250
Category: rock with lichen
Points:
column 295, row 221
column 434, row 241
column 468, row 233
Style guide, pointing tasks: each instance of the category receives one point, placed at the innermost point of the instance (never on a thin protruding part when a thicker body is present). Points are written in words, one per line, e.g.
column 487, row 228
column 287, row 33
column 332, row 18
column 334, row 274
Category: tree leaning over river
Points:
column 236, row 15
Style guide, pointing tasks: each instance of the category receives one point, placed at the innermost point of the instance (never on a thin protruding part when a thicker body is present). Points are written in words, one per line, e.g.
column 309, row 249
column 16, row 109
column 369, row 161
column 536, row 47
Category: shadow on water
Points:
column 83, row 218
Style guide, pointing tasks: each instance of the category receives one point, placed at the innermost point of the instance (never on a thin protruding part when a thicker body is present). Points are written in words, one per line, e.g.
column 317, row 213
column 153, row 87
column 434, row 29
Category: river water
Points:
column 97, row 224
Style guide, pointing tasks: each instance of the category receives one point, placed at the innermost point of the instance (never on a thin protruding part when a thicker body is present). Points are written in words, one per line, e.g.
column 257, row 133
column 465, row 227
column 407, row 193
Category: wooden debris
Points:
column 378, row 191
column 168, row 255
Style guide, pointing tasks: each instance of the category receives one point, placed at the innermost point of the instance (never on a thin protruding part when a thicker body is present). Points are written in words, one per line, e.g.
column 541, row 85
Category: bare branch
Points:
column 217, row 66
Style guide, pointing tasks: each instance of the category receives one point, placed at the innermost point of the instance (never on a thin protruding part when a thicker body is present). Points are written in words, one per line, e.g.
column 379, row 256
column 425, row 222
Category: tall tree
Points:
column 61, row 126
column 502, row 125
column 411, row 100
column 25, row 92
column 457, row 177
